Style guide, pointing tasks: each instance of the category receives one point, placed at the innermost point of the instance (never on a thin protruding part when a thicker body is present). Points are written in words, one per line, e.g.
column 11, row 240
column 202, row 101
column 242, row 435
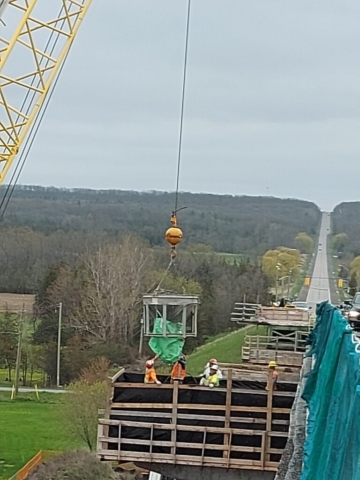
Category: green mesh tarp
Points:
column 332, row 391
column 169, row 349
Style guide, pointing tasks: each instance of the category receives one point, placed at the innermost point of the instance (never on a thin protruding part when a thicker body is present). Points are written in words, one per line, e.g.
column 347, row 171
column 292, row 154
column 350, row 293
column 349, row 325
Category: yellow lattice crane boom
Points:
column 35, row 39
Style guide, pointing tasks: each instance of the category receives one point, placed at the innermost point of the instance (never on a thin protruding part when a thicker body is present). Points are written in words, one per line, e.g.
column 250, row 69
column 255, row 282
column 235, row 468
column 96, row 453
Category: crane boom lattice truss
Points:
column 42, row 32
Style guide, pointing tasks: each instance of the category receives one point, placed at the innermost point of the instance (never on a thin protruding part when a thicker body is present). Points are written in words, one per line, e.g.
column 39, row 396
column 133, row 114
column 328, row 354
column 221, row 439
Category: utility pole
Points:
column 288, row 287
column 277, row 281
column 58, row 347
column 18, row 354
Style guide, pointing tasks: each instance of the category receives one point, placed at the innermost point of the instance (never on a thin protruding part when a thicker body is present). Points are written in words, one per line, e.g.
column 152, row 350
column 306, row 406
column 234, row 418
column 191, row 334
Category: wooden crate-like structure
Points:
column 285, row 349
column 236, row 426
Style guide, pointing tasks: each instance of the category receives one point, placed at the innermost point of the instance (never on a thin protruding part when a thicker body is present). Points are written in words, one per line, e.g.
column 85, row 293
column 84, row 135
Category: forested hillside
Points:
column 229, row 224
column 47, row 226
column 346, row 219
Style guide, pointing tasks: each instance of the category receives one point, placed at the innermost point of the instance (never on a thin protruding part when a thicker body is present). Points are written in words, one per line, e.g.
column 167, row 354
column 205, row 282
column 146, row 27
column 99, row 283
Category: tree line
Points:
column 101, row 300
column 233, row 224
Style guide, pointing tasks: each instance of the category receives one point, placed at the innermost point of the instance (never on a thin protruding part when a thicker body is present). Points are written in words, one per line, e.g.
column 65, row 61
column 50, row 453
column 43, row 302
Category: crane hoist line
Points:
column 33, row 48
column 3, row 5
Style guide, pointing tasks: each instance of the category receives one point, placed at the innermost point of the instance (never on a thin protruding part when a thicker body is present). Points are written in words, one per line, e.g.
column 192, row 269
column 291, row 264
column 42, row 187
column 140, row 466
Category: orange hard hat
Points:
column 213, row 361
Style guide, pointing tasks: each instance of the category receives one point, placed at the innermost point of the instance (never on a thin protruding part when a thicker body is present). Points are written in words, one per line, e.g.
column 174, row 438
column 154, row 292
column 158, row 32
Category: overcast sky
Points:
column 272, row 104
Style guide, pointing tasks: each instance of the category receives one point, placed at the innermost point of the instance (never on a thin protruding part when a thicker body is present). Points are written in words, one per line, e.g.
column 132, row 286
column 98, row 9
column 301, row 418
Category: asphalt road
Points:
column 32, row 390
column 319, row 286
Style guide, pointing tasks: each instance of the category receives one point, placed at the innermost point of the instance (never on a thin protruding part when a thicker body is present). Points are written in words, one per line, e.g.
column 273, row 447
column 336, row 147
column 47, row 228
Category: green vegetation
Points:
column 281, row 262
column 27, row 426
column 225, row 348
column 304, row 242
column 346, row 231
column 37, row 378
column 232, row 257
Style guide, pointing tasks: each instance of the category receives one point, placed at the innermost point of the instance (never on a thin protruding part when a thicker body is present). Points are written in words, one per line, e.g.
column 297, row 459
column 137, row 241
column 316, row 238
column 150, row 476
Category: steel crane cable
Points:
column 176, row 209
column 25, row 152
column 182, row 107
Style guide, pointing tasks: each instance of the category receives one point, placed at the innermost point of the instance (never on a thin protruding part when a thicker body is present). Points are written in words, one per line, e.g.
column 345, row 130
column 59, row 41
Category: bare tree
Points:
column 104, row 296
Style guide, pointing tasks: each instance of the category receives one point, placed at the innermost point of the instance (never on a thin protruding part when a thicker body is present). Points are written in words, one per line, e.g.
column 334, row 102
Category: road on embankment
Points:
column 319, row 289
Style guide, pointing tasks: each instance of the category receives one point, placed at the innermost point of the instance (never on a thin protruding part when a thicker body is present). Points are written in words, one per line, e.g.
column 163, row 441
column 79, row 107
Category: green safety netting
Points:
column 169, row 349
column 332, row 391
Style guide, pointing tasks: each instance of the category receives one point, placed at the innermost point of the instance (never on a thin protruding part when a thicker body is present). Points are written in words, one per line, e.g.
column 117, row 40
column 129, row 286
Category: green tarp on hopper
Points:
column 169, row 349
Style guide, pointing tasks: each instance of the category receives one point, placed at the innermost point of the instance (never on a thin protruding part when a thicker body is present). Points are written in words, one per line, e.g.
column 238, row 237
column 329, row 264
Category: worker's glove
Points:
column 211, row 385
column 158, row 382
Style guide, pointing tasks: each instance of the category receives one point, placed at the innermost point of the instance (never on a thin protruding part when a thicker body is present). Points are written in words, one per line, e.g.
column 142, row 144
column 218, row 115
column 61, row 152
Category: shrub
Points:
column 80, row 465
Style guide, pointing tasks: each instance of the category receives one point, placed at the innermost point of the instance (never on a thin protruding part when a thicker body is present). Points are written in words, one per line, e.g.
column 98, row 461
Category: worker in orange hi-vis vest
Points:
column 273, row 375
column 150, row 372
column 178, row 372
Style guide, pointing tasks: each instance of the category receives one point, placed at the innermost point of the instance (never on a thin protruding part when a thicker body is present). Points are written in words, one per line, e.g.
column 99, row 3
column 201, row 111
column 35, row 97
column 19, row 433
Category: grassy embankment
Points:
column 225, row 348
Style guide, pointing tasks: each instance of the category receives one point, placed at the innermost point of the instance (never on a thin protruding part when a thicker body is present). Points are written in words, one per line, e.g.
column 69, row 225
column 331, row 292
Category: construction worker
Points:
column 150, row 373
column 213, row 379
column 273, row 375
column 282, row 303
column 178, row 372
column 206, row 373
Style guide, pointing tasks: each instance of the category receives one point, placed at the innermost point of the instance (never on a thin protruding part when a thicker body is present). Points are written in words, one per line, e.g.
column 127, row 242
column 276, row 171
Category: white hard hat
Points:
column 214, row 367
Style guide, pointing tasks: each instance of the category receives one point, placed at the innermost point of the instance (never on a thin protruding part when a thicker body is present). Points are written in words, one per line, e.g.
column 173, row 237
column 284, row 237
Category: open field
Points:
column 13, row 302
column 27, row 426
column 226, row 348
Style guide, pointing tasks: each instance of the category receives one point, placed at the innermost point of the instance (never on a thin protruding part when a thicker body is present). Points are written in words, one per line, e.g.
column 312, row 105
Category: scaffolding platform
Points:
column 255, row 314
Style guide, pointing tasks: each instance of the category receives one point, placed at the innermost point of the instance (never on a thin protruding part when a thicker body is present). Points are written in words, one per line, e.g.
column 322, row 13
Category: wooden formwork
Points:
column 234, row 426
column 259, row 372
column 281, row 357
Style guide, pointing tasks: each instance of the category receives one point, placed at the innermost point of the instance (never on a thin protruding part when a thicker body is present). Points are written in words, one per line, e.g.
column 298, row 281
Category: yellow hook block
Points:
column 174, row 234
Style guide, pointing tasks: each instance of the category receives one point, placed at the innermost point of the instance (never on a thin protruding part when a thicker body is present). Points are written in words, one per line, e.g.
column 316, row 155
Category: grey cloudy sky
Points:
column 272, row 105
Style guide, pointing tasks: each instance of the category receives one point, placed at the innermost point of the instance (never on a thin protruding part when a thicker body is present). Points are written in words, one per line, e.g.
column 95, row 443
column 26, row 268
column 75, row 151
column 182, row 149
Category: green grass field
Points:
column 225, row 348
column 27, row 426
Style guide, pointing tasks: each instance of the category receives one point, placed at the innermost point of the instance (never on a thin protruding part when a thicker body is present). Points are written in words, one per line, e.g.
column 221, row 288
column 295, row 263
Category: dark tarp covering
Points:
column 196, row 397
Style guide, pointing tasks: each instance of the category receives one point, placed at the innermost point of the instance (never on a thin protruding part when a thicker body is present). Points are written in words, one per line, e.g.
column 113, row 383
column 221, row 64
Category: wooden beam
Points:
column 191, row 460
column 174, row 418
column 267, row 442
column 226, row 453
